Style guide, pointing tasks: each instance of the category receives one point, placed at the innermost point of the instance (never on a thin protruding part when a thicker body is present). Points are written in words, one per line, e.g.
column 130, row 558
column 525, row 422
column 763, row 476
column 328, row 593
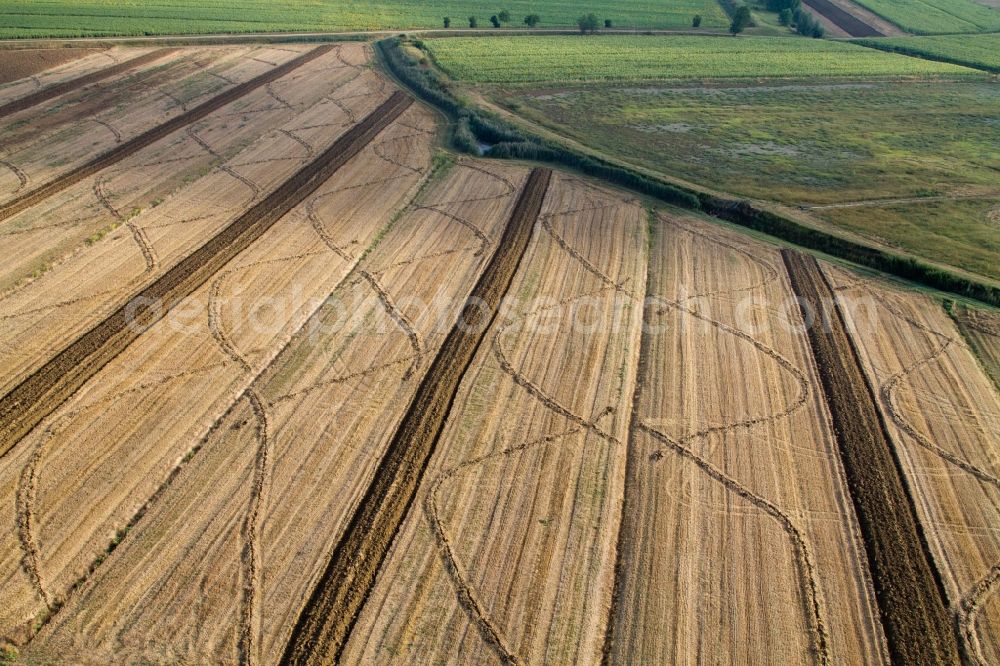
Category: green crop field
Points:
column 64, row 18
column 638, row 58
column 937, row 16
column 807, row 144
column 981, row 51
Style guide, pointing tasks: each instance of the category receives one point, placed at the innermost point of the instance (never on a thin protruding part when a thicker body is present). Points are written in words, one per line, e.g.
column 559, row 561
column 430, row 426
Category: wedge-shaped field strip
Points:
column 51, row 140
column 288, row 427
column 943, row 412
column 126, row 148
column 51, row 92
column 204, row 177
column 507, row 551
column 738, row 541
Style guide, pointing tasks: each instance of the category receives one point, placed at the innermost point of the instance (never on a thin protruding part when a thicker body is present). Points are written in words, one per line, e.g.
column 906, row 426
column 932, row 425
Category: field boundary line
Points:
column 328, row 616
column 58, row 89
column 45, row 389
column 137, row 143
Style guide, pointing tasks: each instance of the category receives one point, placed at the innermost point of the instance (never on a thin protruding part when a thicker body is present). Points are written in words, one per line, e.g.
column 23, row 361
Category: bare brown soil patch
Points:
column 914, row 611
column 18, row 63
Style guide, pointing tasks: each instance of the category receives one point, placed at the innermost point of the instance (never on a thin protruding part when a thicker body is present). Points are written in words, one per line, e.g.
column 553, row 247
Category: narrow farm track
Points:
column 914, row 610
column 45, row 94
column 327, row 618
column 35, row 397
column 124, row 150
column 22, row 178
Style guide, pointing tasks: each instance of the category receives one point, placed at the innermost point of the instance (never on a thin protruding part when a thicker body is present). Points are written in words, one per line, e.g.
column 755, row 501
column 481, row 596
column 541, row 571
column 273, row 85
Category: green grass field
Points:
column 65, row 18
column 639, row 58
column 974, row 50
column 804, row 144
column 963, row 232
column 936, row 16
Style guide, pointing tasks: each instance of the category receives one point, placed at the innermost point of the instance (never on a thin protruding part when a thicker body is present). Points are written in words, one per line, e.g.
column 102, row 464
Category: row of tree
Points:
column 502, row 17
column 790, row 13
column 588, row 23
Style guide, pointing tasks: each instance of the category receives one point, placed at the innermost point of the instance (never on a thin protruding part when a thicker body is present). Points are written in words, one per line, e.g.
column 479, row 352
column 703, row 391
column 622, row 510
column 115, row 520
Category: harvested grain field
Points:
column 270, row 536
column 239, row 164
column 508, row 549
column 89, row 63
column 944, row 414
column 981, row 330
column 738, row 537
column 283, row 382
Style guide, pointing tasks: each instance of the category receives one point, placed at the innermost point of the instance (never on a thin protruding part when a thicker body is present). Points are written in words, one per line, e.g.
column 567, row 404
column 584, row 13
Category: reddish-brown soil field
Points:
column 22, row 63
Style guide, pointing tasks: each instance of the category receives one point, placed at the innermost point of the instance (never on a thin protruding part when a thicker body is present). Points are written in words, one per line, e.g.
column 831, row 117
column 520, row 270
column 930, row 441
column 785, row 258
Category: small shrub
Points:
column 473, row 22
column 447, row 21
column 696, row 21
column 532, row 20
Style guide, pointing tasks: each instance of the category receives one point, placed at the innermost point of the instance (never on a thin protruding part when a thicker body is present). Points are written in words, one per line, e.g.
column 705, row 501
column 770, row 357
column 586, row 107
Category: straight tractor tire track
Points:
column 132, row 146
column 58, row 89
column 908, row 590
column 328, row 616
column 44, row 390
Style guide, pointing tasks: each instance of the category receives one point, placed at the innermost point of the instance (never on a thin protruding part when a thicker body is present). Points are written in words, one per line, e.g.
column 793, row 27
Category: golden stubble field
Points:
column 638, row 465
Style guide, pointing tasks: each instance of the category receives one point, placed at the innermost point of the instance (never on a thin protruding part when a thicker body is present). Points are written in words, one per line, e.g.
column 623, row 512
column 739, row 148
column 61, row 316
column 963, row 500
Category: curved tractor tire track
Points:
column 58, row 89
column 44, row 390
column 22, row 177
column 970, row 605
column 468, row 597
column 130, row 147
column 326, row 620
column 800, row 545
column 909, row 592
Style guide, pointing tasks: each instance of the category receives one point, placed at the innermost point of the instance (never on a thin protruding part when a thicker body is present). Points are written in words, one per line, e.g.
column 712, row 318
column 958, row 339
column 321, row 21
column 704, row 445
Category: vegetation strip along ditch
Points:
column 909, row 593
column 474, row 126
column 327, row 618
column 44, row 390
column 58, row 89
column 120, row 152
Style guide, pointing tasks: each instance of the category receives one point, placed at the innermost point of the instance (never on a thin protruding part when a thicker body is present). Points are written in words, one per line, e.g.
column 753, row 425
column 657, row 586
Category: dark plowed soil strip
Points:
column 328, row 617
column 58, row 89
column 911, row 599
column 850, row 24
column 39, row 394
column 148, row 137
